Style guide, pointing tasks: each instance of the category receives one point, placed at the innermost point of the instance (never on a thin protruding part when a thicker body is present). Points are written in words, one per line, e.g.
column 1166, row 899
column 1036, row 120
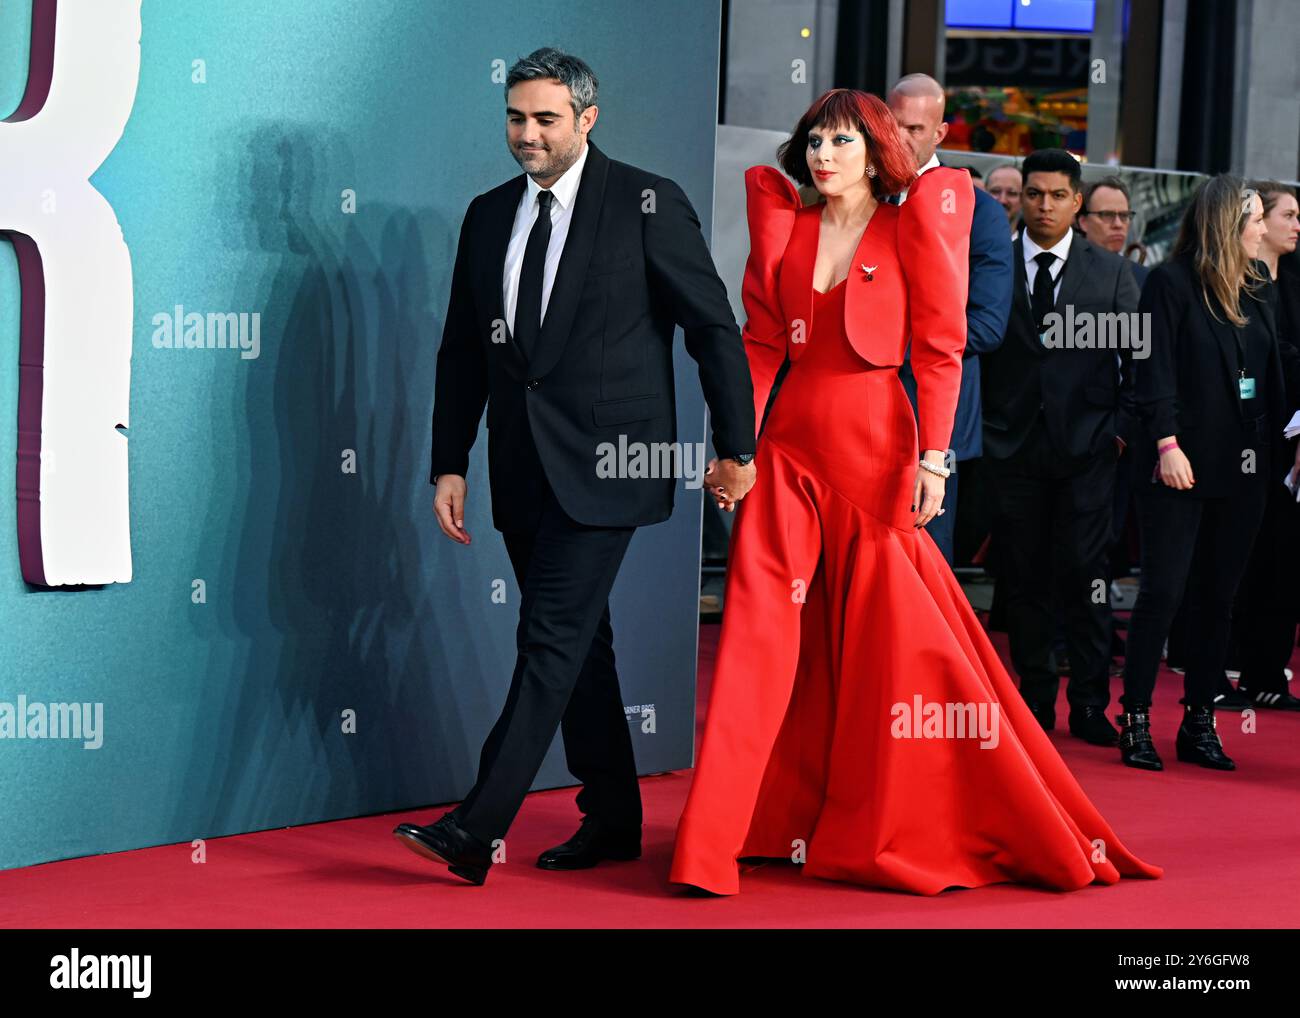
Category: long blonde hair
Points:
column 1211, row 234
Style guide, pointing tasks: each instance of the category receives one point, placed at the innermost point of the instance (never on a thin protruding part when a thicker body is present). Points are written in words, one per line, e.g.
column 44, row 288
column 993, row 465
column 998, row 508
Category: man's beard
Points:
column 554, row 163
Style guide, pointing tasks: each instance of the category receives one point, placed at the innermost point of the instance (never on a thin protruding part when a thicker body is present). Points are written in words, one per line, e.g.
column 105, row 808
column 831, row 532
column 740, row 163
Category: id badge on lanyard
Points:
column 1245, row 386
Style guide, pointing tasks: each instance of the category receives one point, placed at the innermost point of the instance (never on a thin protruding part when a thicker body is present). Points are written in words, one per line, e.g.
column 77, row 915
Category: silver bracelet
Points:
column 940, row 471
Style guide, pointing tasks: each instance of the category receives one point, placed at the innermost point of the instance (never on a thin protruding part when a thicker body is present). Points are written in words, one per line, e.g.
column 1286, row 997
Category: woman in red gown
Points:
column 860, row 721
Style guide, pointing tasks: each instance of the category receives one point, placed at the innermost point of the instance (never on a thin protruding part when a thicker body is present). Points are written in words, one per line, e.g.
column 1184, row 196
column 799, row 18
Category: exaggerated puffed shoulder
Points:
column 771, row 206
column 769, row 186
column 941, row 200
column 771, row 202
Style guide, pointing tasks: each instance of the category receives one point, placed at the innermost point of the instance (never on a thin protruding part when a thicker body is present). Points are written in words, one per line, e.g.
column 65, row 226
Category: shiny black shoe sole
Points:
column 585, row 863
column 411, row 839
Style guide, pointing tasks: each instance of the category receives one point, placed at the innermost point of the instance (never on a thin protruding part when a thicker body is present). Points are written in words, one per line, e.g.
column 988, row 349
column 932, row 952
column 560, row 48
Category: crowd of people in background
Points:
column 1170, row 438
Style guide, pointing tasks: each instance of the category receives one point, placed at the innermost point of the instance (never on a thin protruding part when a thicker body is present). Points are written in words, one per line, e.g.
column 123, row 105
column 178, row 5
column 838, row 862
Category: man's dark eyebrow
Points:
column 540, row 113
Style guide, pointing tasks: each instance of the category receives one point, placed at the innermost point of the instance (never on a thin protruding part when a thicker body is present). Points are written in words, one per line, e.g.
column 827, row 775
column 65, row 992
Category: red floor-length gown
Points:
column 840, row 616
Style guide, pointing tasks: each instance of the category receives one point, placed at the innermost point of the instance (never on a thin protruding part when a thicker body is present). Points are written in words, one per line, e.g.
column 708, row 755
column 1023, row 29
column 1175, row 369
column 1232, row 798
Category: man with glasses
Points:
column 1105, row 218
column 1004, row 184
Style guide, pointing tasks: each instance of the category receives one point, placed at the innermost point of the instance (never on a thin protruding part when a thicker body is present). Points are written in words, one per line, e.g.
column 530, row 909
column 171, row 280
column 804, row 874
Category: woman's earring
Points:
column 871, row 171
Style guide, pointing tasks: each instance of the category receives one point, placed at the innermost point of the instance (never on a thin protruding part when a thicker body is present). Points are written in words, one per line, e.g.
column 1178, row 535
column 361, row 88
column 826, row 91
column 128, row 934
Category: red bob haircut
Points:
column 894, row 163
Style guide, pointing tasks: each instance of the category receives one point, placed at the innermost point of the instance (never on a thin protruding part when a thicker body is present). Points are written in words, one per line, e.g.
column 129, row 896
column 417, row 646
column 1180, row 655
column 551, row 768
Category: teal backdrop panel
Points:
column 278, row 592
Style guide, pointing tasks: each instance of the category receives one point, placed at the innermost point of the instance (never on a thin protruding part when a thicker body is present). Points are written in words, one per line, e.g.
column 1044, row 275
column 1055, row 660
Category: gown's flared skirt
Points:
column 861, row 722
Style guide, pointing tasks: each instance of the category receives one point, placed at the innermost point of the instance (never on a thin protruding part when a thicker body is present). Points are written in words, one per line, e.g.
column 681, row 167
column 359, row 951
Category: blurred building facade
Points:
column 1201, row 86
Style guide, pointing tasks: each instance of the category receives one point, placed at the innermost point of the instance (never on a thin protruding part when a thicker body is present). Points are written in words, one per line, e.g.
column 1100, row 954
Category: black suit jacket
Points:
column 634, row 266
column 1086, row 394
column 1188, row 386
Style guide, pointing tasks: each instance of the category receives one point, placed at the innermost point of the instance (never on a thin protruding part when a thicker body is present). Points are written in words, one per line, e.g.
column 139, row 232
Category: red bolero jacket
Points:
column 919, row 254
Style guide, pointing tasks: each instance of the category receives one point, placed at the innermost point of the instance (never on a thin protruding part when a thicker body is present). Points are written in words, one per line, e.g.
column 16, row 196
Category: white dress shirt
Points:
column 1062, row 251
column 565, row 191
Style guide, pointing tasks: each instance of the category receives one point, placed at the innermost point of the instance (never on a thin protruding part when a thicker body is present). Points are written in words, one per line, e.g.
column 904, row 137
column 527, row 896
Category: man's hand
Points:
column 728, row 482
column 449, row 507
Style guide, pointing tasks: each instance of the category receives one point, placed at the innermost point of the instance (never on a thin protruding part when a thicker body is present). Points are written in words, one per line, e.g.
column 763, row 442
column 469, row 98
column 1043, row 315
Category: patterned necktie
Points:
column 528, row 305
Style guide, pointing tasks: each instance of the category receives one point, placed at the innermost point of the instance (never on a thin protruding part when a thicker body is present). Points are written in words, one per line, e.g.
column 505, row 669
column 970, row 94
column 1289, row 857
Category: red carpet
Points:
column 1227, row 843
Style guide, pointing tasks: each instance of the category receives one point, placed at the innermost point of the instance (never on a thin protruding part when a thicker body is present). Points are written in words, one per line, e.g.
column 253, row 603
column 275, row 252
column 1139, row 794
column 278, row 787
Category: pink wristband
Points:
column 1162, row 449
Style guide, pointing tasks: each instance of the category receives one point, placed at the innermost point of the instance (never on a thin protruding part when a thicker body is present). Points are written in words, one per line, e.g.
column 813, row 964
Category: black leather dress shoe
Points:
column 445, row 841
column 593, row 842
column 1199, row 743
column 1045, row 713
column 1091, row 725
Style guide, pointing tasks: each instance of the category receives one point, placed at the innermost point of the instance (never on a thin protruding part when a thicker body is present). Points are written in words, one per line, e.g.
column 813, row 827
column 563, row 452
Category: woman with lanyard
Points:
column 1211, row 401
column 1268, row 603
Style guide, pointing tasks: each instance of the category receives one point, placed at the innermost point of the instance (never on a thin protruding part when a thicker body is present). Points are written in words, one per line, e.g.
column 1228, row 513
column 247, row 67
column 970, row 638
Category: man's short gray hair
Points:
column 570, row 71
column 1006, row 166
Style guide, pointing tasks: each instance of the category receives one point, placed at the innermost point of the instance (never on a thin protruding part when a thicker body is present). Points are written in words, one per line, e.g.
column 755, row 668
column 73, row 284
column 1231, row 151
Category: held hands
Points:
column 927, row 494
column 449, row 507
column 728, row 482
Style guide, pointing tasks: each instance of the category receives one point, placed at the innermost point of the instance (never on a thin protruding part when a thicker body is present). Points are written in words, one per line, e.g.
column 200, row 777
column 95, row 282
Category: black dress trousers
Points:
column 1052, row 526
column 564, row 677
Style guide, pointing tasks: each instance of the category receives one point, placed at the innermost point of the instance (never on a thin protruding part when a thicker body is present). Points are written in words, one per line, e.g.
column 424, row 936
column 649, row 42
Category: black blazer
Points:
column 634, row 266
column 1188, row 386
column 1086, row 398
column 1286, row 310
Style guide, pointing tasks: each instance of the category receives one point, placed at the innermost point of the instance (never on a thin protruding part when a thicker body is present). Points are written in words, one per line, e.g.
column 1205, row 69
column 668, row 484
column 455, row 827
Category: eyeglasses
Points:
column 1110, row 218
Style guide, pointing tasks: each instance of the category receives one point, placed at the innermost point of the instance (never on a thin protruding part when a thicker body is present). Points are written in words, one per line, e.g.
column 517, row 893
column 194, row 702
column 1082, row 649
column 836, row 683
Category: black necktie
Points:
column 1042, row 301
column 528, row 305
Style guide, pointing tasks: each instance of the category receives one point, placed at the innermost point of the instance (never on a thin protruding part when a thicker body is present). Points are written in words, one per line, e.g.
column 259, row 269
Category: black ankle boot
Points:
column 1135, row 746
column 1199, row 743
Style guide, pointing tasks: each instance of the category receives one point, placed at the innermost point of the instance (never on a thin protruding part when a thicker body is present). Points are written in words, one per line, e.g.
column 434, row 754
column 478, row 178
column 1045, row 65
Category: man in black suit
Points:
column 568, row 283
column 1058, row 410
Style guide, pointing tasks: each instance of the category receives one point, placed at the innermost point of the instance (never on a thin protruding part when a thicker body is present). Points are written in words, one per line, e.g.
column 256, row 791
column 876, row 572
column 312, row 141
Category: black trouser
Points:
column 1179, row 637
column 1194, row 550
column 1119, row 557
column 1052, row 527
column 1267, row 609
column 564, row 678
